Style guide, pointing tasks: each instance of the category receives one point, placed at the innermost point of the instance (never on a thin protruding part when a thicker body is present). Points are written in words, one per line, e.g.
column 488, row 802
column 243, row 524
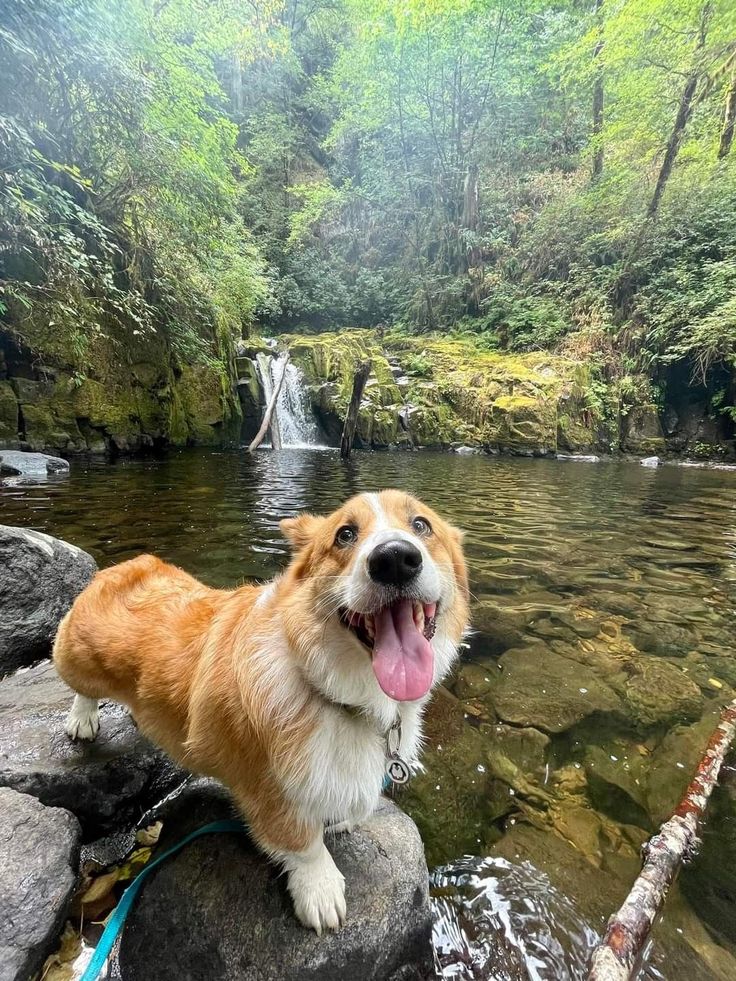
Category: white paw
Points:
column 318, row 890
column 341, row 828
column 83, row 721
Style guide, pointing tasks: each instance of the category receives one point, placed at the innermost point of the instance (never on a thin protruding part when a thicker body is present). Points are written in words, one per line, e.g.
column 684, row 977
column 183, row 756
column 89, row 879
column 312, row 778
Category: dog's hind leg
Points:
column 83, row 721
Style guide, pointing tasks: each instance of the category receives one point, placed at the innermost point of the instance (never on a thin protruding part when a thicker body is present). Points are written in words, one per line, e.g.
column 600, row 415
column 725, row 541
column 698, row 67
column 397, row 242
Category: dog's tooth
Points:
column 370, row 628
column 418, row 611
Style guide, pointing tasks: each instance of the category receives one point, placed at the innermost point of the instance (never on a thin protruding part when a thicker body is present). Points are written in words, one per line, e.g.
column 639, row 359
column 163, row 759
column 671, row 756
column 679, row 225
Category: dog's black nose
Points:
column 394, row 563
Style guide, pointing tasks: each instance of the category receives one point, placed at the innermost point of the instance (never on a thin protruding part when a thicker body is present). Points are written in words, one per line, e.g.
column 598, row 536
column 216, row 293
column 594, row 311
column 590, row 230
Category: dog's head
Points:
column 387, row 573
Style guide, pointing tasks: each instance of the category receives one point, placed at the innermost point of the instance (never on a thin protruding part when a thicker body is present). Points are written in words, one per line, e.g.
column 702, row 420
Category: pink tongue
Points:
column 403, row 661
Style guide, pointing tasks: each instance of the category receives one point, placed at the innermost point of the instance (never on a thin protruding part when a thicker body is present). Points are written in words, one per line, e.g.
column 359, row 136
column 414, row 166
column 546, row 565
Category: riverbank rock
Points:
column 34, row 466
column 106, row 784
column 39, row 578
column 219, row 911
column 39, row 852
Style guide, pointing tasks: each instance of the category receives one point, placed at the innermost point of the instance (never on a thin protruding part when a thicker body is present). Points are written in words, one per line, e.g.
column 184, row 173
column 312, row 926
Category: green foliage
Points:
column 118, row 189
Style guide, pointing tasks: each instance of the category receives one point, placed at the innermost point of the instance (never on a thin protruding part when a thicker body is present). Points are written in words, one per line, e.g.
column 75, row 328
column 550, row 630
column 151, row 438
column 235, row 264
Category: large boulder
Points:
column 219, row 911
column 39, row 852
column 30, row 466
column 107, row 784
column 39, row 578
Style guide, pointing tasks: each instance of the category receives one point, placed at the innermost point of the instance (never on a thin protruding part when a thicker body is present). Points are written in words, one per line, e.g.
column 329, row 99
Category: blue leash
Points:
column 117, row 920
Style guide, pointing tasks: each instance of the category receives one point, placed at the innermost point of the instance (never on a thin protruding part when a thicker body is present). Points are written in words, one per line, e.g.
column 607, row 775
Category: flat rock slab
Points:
column 39, row 853
column 40, row 577
column 219, row 911
column 108, row 784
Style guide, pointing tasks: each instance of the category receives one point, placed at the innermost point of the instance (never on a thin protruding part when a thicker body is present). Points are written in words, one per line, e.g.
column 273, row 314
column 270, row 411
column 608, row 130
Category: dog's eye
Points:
column 347, row 535
column 421, row 526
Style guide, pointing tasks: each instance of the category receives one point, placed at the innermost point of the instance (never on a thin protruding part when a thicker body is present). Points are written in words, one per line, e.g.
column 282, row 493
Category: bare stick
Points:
column 616, row 958
column 275, row 436
column 351, row 419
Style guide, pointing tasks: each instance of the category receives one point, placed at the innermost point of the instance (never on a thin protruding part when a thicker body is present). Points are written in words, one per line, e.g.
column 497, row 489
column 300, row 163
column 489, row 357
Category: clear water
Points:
column 612, row 568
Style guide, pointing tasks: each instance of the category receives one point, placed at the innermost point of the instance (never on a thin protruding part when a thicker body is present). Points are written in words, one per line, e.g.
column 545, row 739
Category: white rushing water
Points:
column 293, row 411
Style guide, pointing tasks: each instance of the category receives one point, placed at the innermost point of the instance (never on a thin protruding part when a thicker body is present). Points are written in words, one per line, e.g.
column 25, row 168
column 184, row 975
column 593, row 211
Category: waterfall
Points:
column 293, row 411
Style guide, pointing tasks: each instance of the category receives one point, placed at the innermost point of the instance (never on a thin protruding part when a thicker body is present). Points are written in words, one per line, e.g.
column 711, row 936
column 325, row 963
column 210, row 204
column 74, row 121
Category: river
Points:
column 603, row 599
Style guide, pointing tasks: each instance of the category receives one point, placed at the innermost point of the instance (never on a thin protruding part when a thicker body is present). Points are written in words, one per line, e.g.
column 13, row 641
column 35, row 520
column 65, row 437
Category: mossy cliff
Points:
column 444, row 392
column 116, row 395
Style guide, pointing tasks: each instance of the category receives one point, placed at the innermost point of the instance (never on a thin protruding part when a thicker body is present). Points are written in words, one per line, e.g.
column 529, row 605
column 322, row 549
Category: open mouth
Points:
column 398, row 637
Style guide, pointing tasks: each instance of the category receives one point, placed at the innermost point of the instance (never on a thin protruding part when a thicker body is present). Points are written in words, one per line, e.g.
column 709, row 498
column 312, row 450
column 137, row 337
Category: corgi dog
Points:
column 299, row 695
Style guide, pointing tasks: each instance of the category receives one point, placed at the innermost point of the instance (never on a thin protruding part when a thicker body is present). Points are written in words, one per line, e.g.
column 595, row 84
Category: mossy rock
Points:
column 8, row 411
column 658, row 693
column 643, row 431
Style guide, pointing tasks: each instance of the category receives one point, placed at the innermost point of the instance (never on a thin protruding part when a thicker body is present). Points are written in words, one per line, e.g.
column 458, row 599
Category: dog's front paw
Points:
column 318, row 890
column 83, row 721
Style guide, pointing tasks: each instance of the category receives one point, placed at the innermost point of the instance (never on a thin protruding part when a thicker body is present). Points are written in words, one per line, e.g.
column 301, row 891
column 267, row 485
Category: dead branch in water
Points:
column 351, row 419
column 617, row 956
column 275, row 434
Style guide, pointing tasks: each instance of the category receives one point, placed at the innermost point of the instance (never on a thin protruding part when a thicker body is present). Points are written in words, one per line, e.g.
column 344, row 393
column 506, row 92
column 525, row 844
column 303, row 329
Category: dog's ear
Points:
column 458, row 560
column 302, row 530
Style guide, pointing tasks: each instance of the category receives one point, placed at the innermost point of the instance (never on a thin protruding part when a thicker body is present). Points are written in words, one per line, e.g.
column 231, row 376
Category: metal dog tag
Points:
column 397, row 769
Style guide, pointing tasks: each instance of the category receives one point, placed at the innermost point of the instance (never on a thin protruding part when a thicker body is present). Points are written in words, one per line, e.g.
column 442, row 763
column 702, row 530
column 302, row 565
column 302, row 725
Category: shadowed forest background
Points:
column 177, row 175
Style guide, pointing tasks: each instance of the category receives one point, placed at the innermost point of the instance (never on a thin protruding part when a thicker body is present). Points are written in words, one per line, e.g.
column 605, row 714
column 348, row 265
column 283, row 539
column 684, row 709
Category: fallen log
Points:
column 351, row 419
column 275, row 434
column 617, row 956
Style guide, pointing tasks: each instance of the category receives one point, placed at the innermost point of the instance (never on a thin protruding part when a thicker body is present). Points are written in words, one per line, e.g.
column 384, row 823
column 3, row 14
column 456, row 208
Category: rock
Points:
column 499, row 628
column 39, row 578
column 466, row 450
column 662, row 638
column 650, row 461
column 33, row 466
column 673, row 764
column 107, row 783
column 39, row 852
column 578, row 457
column 541, row 689
column 616, row 777
column 219, row 911
column 643, row 430
column 473, row 680
column 658, row 693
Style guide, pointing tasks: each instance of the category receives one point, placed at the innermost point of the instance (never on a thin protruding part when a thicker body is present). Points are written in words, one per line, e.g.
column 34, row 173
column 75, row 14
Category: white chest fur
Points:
column 347, row 760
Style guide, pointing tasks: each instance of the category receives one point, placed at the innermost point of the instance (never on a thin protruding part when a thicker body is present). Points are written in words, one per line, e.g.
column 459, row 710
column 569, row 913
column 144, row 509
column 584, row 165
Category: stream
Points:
column 603, row 599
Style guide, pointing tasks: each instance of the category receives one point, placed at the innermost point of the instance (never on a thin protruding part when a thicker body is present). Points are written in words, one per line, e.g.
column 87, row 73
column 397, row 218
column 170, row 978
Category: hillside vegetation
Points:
column 176, row 174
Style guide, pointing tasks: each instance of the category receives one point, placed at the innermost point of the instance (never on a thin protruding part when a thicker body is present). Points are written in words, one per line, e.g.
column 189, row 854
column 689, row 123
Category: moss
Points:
column 8, row 412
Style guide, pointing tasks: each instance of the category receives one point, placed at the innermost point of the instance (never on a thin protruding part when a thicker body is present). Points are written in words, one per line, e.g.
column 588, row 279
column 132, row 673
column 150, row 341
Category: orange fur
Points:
column 193, row 663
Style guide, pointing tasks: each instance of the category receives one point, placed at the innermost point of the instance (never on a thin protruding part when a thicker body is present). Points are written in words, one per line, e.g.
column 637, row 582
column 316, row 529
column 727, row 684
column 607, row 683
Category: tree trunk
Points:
column 598, row 95
column 351, row 419
column 275, row 434
column 684, row 111
column 617, row 957
column 729, row 120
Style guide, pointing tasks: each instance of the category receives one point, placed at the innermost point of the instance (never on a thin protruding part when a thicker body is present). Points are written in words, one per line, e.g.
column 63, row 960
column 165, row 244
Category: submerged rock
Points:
column 658, row 693
column 219, row 911
column 39, row 851
column 106, row 784
column 39, row 578
column 542, row 689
